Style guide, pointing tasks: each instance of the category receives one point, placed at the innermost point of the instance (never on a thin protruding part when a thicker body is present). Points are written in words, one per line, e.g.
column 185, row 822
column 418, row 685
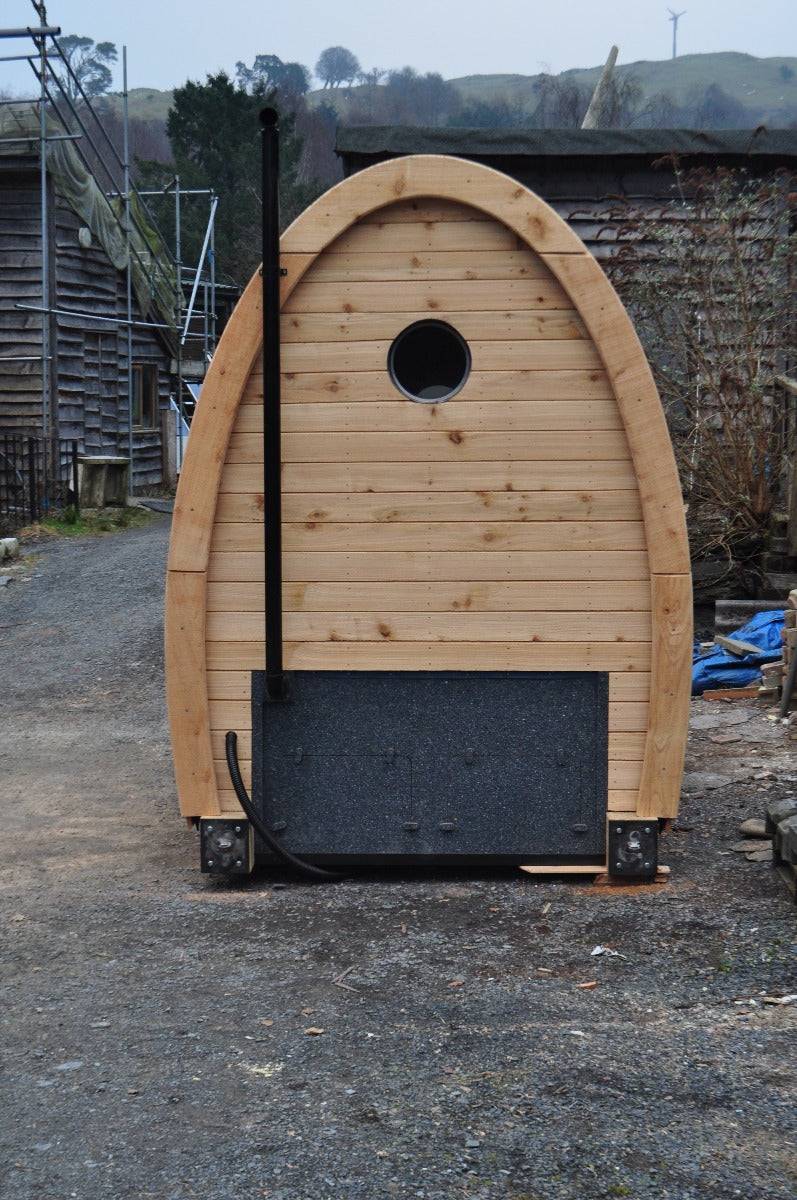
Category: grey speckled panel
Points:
column 419, row 766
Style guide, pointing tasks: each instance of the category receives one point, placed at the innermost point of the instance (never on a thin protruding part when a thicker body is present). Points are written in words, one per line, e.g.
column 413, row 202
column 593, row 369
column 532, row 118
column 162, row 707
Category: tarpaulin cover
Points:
column 716, row 668
column 152, row 271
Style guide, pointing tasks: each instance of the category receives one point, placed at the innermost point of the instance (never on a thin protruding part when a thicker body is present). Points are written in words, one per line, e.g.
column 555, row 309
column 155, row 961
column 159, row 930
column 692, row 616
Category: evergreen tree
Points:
column 214, row 133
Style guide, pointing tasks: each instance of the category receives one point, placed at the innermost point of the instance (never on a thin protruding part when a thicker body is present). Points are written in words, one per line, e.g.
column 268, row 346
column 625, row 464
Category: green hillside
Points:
column 145, row 104
column 761, row 84
column 758, row 83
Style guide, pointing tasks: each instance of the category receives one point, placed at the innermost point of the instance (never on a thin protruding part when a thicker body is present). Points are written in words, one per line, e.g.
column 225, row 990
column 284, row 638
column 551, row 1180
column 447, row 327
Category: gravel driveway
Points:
column 156, row 1026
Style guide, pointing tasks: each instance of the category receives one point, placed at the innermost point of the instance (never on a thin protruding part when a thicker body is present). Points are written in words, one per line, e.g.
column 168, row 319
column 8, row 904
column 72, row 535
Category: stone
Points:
column 760, row 855
column 786, row 840
column 9, row 547
column 4, row 580
column 716, row 720
column 699, row 781
column 779, row 810
column 753, row 827
column 751, row 844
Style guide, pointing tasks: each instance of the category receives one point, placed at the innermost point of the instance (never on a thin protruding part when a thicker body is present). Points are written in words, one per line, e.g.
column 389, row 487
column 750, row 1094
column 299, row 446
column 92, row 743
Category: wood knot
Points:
column 456, row 437
column 348, row 308
column 384, row 630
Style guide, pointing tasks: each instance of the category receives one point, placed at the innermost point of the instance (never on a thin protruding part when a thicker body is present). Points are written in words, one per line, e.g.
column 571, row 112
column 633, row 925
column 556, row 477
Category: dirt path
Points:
column 153, row 1022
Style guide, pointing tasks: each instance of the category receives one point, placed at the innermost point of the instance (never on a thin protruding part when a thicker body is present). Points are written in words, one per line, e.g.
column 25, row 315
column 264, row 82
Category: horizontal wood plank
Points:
column 436, row 626
column 339, row 387
column 498, row 325
column 539, row 476
column 399, row 415
column 622, row 802
column 436, row 656
column 434, row 446
column 437, row 506
column 497, row 537
column 407, row 566
column 447, row 282
column 628, row 696
column 562, row 354
column 419, row 236
column 423, row 208
column 435, row 597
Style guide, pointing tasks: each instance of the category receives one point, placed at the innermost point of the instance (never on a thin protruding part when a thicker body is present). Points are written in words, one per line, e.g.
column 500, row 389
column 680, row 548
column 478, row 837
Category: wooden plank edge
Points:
column 187, row 693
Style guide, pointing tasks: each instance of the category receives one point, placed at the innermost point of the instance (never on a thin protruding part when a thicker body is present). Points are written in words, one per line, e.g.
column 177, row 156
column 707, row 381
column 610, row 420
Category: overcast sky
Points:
column 171, row 40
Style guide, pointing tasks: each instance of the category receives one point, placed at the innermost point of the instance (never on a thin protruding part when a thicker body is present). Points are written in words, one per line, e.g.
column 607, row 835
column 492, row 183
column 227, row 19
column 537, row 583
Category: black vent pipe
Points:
column 272, row 483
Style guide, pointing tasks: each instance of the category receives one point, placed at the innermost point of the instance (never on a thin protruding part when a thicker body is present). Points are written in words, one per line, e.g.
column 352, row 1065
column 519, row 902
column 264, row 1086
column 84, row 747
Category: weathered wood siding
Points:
column 89, row 368
column 499, row 530
column 20, row 283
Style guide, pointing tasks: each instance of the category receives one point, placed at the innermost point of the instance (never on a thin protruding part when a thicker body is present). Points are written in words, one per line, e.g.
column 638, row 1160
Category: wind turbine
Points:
column 675, row 18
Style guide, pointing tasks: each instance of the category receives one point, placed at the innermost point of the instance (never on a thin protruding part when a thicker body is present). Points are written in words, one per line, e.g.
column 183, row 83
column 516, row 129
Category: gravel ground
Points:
column 155, row 1023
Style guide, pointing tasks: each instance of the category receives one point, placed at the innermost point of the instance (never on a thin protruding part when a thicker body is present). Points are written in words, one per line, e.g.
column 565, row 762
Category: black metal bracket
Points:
column 633, row 848
column 226, row 847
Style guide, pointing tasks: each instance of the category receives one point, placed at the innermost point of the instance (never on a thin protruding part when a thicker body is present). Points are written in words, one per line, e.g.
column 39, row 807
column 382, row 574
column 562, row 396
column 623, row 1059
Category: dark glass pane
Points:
column 429, row 361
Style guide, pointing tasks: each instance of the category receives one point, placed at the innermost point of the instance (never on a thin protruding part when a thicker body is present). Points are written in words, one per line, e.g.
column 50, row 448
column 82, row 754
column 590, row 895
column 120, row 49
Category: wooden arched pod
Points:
column 549, row 482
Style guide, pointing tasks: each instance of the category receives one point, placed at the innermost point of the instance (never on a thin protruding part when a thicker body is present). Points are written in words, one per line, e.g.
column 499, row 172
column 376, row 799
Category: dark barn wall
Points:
column 89, row 367
column 584, row 174
column 20, row 283
column 92, row 358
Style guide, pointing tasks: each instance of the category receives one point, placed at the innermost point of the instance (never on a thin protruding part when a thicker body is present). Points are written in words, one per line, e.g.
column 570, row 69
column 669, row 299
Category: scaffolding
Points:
column 66, row 115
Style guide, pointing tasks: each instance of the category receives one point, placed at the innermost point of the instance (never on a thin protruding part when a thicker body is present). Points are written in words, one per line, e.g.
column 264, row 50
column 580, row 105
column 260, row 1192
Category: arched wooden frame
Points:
column 531, row 219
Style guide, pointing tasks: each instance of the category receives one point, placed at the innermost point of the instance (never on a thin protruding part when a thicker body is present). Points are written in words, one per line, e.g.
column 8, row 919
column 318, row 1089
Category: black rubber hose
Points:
column 263, row 832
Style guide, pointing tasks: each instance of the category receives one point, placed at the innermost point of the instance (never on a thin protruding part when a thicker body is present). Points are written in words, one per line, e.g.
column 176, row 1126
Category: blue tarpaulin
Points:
column 716, row 668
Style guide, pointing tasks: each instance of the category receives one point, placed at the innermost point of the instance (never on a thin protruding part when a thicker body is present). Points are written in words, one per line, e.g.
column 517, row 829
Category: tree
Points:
column 337, row 65
column 89, row 64
column 717, row 110
column 485, row 114
column 213, row 129
column 270, row 73
column 406, row 98
column 372, row 78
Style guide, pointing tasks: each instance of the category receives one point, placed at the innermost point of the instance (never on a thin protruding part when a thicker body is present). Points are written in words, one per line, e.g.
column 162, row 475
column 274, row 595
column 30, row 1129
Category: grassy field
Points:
column 758, row 83
column 755, row 82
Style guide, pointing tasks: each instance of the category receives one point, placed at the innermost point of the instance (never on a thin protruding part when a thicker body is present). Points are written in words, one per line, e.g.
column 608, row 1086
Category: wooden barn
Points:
column 584, row 174
column 485, row 571
column 85, row 392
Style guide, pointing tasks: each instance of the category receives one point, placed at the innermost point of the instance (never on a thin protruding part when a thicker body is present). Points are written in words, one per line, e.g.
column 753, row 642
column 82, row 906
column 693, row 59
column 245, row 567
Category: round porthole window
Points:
column 429, row 361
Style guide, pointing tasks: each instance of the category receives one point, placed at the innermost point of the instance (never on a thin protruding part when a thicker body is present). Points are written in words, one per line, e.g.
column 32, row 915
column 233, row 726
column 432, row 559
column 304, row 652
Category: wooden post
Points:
column 169, row 447
column 592, row 117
